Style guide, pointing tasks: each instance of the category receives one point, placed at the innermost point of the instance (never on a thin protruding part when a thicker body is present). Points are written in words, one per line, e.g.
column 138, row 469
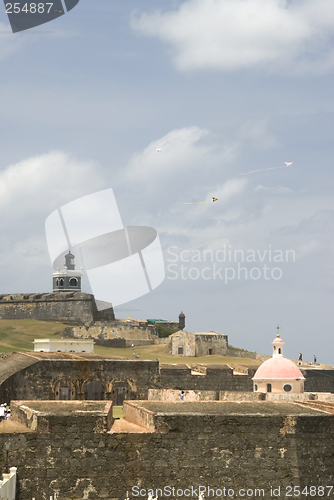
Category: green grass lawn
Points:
column 117, row 411
column 19, row 335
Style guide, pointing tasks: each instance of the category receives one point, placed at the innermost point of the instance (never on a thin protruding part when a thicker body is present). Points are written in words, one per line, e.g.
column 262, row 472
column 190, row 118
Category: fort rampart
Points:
column 37, row 375
column 251, row 446
column 70, row 307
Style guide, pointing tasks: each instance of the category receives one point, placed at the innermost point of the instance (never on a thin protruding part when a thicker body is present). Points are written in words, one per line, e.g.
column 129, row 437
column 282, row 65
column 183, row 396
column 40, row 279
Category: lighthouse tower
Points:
column 67, row 279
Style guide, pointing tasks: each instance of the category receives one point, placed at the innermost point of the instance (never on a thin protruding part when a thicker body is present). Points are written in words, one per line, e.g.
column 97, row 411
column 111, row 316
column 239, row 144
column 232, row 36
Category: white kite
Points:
column 270, row 168
column 195, row 202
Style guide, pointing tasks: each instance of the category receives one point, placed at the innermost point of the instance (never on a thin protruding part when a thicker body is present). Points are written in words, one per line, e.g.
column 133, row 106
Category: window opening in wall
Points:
column 268, row 387
column 255, row 387
column 210, row 351
column 73, row 282
column 287, row 388
column 180, row 350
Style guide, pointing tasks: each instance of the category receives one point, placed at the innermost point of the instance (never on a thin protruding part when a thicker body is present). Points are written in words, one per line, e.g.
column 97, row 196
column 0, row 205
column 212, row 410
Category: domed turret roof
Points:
column 277, row 339
column 278, row 368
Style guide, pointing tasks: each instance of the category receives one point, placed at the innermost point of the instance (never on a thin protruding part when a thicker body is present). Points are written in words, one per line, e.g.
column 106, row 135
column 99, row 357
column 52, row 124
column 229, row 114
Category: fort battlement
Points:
column 67, row 448
column 68, row 307
column 45, row 376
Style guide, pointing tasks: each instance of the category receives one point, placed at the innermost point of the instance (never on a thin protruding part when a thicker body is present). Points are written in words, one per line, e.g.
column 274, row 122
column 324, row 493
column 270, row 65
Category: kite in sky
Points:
column 194, row 202
column 158, row 150
column 270, row 168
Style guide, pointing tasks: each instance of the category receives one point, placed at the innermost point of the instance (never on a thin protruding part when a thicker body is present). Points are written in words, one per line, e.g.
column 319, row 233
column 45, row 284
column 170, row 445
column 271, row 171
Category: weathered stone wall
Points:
column 317, row 380
column 40, row 375
column 174, row 395
column 63, row 306
column 214, row 378
column 231, row 451
column 42, row 379
column 131, row 332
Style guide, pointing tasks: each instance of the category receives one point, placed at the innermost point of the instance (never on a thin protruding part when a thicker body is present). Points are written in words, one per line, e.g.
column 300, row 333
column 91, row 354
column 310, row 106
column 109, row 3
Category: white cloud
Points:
column 233, row 34
column 29, row 191
column 41, row 183
column 230, row 189
column 182, row 151
column 273, row 190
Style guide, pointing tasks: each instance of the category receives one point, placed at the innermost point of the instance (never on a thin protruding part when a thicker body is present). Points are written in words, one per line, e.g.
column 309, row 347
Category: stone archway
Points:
column 119, row 392
column 64, row 390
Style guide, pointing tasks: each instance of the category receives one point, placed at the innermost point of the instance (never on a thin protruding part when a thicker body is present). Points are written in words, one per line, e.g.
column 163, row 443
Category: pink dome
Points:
column 278, row 368
column 278, row 339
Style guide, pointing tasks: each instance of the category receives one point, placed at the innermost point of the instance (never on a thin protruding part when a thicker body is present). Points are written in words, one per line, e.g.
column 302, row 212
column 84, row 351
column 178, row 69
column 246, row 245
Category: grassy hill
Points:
column 160, row 352
column 19, row 335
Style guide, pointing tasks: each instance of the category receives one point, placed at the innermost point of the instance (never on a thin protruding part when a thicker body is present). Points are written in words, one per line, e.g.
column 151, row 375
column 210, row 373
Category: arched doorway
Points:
column 94, row 390
column 120, row 391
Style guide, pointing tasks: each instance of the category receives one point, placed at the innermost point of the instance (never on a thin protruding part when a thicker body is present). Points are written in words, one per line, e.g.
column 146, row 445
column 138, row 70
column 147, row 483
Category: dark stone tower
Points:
column 182, row 320
column 68, row 279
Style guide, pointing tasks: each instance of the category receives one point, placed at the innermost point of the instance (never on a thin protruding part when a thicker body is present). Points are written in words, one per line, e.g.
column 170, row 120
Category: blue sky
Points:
column 222, row 88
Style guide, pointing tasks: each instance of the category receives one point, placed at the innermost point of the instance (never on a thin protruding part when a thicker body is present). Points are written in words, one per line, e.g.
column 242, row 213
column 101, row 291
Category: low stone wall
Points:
column 139, row 416
column 240, row 396
column 52, row 416
column 173, row 395
column 246, row 354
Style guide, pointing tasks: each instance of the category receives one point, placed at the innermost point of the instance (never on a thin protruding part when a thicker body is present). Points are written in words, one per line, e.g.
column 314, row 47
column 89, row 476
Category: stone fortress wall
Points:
column 42, row 375
column 72, row 307
column 116, row 333
column 231, row 445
